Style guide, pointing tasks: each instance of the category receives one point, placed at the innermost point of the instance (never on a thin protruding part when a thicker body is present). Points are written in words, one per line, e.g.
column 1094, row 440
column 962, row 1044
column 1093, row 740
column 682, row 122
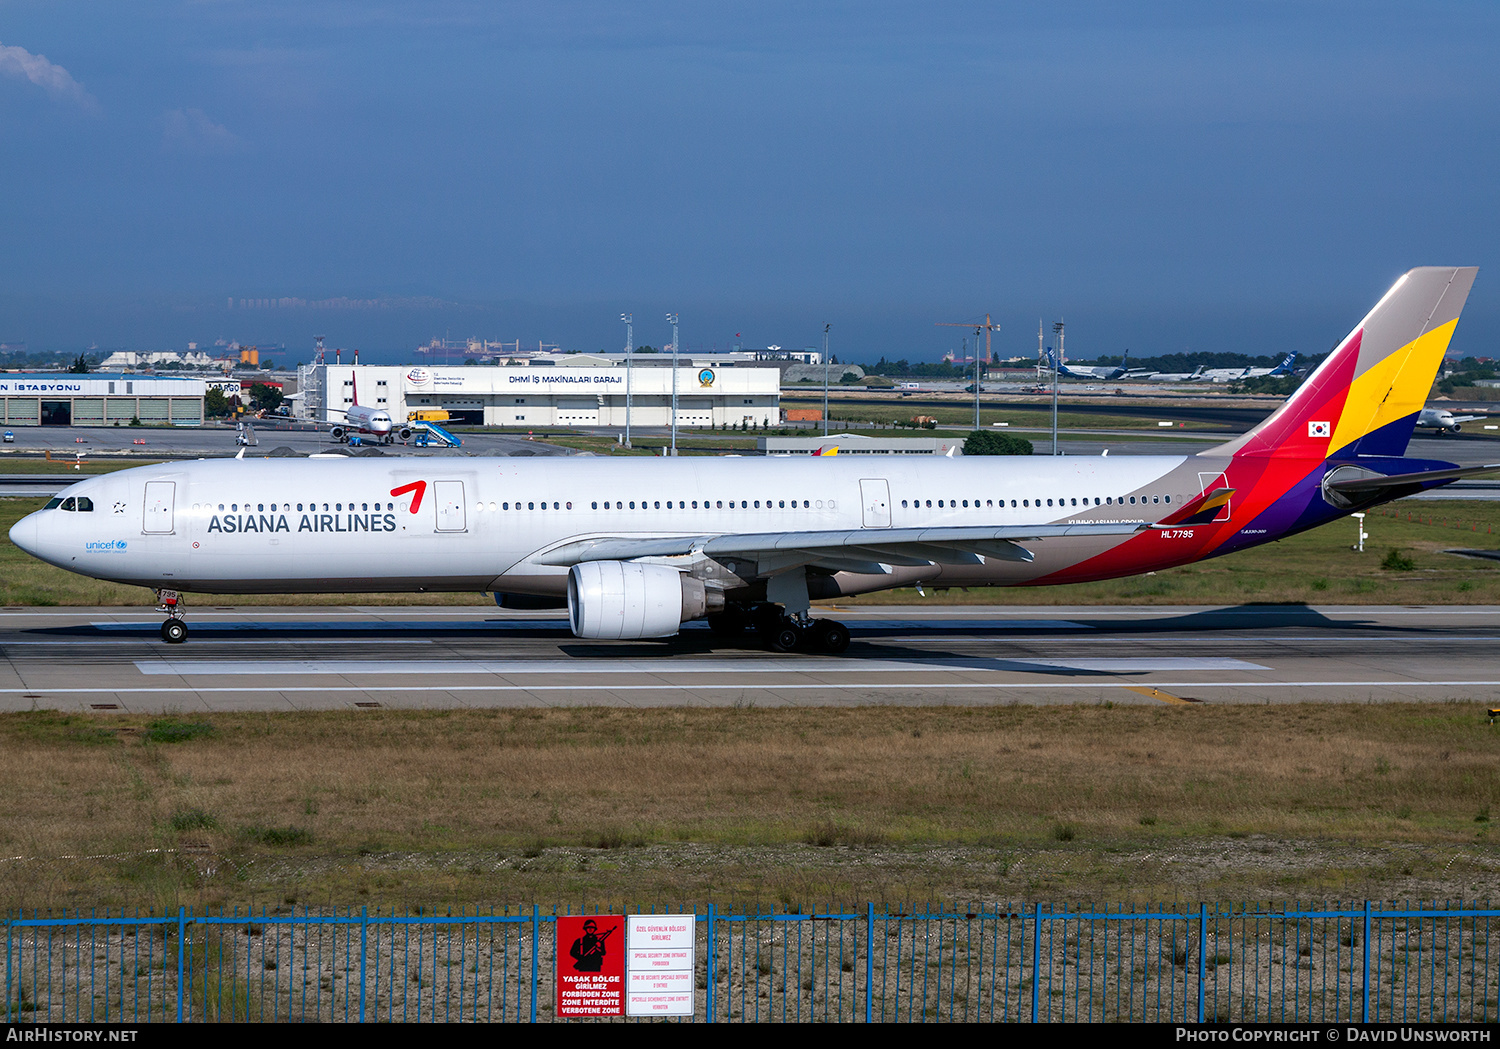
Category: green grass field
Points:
column 961, row 414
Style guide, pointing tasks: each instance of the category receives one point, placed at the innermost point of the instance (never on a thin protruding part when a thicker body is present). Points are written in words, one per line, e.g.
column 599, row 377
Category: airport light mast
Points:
column 1056, row 364
column 976, row 376
column 672, row 320
column 825, row 378
column 987, row 327
column 629, row 319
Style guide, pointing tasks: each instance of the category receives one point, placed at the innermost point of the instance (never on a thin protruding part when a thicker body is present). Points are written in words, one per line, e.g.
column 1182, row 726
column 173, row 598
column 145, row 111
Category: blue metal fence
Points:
column 1034, row 963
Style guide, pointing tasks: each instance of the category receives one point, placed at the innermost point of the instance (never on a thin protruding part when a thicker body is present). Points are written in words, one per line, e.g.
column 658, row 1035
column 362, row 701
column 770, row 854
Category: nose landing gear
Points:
column 174, row 631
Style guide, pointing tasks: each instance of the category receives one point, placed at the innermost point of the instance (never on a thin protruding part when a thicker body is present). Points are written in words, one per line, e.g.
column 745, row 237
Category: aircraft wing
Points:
column 867, row 550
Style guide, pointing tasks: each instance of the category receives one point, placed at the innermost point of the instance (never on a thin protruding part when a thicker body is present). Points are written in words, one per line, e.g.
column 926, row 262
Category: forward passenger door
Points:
column 160, row 497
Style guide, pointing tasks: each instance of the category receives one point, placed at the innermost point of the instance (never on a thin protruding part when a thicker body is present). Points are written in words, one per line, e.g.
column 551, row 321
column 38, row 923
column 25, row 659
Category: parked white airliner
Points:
column 636, row 547
column 361, row 418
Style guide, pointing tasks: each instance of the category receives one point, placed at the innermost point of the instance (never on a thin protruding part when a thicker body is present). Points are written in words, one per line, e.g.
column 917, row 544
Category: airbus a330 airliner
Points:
column 636, row 547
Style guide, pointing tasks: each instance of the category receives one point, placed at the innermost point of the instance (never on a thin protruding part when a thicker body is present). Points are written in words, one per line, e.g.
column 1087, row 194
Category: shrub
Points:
column 170, row 730
column 1396, row 561
column 192, row 819
column 986, row 442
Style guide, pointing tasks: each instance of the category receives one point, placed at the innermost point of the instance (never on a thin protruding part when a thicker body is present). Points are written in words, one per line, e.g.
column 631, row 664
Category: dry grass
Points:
column 265, row 794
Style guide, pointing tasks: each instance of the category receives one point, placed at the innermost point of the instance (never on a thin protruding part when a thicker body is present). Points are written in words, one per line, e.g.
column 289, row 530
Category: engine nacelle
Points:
column 338, row 433
column 405, row 433
column 623, row 599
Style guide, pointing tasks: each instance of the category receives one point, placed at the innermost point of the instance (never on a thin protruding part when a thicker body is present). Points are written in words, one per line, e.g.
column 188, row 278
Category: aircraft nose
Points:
column 24, row 534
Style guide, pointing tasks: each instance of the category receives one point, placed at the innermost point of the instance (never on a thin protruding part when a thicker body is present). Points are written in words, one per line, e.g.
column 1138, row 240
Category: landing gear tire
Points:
column 786, row 638
column 830, row 637
column 174, row 632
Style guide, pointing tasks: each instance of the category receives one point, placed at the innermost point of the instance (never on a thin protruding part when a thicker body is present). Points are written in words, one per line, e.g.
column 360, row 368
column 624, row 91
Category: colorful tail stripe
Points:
column 1369, row 392
column 1361, row 405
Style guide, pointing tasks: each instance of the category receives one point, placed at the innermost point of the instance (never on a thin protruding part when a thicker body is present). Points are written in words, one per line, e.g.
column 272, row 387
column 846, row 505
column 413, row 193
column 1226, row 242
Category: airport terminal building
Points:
column 587, row 393
column 99, row 399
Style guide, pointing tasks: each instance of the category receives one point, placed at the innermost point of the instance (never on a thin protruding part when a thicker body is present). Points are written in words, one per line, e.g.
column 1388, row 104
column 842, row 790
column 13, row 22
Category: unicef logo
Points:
column 120, row 543
column 418, row 376
column 706, row 377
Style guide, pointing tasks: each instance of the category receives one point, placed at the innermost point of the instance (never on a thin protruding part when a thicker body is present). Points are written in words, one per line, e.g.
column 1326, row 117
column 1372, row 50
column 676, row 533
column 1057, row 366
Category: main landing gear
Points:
column 174, row 631
column 782, row 632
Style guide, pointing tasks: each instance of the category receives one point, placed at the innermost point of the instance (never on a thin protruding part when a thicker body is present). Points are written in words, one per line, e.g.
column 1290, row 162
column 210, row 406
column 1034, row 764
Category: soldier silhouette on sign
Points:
column 587, row 951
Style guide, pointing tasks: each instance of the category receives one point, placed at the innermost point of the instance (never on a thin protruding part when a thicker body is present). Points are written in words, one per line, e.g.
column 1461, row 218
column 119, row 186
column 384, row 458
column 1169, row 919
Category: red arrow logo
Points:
column 419, row 487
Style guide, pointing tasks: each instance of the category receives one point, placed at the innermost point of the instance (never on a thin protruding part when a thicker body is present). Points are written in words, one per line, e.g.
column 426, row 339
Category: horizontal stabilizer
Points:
column 1376, row 482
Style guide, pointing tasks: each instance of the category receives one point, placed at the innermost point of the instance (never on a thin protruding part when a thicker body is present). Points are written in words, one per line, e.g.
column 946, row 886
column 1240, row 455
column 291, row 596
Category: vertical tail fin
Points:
column 1366, row 396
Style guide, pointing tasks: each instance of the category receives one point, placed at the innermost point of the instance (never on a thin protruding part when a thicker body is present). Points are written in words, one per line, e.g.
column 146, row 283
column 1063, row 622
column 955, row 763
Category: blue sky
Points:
column 1226, row 176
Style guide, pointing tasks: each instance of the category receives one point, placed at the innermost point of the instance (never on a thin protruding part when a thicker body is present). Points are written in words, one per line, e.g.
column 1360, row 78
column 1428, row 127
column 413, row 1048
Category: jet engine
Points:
column 623, row 599
column 405, row 433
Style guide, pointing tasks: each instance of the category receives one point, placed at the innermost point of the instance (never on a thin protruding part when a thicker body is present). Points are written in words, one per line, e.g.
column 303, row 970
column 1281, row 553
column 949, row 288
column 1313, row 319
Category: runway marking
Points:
column 365, row 625
column 553, row 667
column 43, row 692
column 136, row 643
column 1156, row 693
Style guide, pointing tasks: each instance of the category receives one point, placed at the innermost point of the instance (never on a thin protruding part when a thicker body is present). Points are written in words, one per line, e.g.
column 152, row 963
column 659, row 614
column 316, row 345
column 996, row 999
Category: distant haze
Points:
column 1244, row 177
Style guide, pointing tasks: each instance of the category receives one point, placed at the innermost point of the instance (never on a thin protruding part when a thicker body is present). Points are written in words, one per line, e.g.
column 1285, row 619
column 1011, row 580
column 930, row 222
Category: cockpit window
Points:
column 85, row 505
column 53, row 503
column 69, row 503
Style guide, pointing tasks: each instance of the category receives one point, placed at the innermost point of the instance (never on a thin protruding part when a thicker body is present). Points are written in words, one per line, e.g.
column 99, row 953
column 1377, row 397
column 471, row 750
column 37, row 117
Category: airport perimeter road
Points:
column 301, row 658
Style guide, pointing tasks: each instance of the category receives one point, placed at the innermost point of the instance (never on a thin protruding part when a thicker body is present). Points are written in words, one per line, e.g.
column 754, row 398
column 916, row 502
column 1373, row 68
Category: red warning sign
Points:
column 591, row 965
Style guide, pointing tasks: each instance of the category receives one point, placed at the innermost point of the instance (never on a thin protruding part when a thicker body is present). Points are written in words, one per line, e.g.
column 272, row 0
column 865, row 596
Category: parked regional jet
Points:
column 1444, row 421
column 636, row 547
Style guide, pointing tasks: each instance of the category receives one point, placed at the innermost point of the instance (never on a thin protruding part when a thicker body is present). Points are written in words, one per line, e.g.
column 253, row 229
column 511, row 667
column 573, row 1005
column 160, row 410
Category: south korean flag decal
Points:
column 1319, row 430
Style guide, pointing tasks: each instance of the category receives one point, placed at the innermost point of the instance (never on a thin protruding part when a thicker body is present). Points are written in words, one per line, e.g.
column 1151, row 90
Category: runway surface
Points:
column 310, row 658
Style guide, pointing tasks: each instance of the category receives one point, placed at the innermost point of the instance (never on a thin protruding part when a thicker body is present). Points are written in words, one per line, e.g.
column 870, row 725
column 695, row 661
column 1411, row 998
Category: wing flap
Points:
column 888, row 545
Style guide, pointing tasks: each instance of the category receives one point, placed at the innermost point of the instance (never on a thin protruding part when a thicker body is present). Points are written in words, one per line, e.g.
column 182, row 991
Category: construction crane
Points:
column 986, row 327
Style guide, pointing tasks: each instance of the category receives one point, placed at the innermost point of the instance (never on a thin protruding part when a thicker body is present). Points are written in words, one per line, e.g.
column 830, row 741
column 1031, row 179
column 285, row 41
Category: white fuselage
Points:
column 332, row 525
